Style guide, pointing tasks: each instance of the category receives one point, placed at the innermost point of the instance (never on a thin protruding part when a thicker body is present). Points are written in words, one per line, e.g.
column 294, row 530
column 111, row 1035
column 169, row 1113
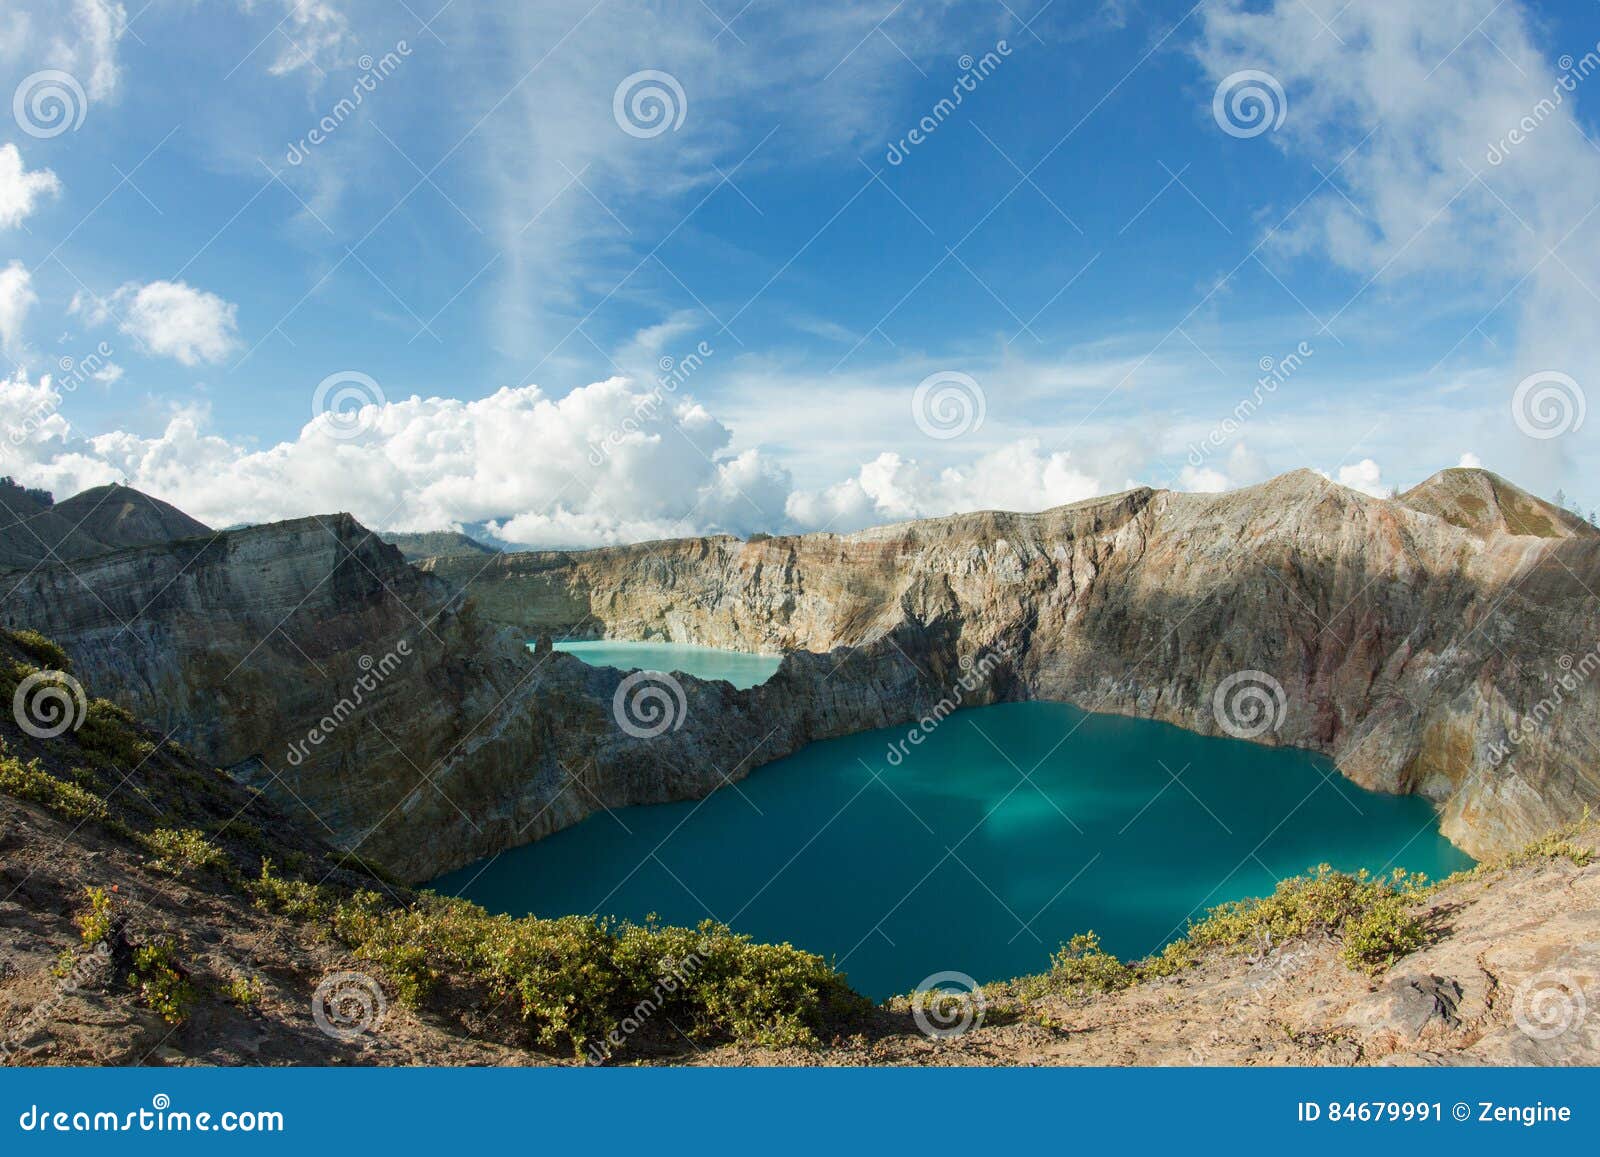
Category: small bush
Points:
column 245, row 991
column 1386, row 931
column 1555, row 846
column 578, row 982
column 1082, row 965
column 1324, row 901
column 297, row 899
column 176, row 852
column 110, row 732
column 95, row 924
column 160, row 982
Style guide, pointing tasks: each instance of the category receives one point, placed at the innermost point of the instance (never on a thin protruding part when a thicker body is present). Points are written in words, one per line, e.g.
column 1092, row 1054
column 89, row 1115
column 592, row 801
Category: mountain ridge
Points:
column 1408, row 648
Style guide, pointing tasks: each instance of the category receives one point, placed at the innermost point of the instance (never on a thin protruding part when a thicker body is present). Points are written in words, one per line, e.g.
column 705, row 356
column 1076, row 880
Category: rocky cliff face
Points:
column 1422, row 643
column 1444, row 643
column 312, row 662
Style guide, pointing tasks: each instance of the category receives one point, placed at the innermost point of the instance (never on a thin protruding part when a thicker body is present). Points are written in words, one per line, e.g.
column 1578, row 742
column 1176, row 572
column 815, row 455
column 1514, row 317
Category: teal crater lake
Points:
column 1003, row 833
column 741, row 668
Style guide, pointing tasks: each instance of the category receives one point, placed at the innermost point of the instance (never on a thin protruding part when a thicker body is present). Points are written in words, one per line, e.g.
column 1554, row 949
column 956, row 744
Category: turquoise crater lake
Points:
column 1007, row 830
column 740, row 668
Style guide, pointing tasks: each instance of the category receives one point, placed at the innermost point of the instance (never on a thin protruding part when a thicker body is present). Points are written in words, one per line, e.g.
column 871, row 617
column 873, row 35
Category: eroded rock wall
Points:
column 399, row 706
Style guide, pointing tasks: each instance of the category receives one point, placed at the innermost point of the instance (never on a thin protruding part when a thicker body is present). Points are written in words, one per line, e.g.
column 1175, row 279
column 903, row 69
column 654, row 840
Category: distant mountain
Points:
column 1486, row 503
column 437, row 544
column 34, row 528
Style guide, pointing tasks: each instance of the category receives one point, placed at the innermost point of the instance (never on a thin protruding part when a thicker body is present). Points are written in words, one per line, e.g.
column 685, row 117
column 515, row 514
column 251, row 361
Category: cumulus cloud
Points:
column 1202, row 480
column 169, row 318
column 1471, row 461
column 608, row 463
column 16, row 298
column 891, row 488
column 1365, row 476
column 21, row 190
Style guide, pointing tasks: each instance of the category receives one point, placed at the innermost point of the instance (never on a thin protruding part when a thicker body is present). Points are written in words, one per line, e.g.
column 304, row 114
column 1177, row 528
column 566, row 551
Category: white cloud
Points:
column 1202, row 480
column 16, row 298
column 20, row 190
column 1365, row 476
column 79, row 38
column 313, row 33
column 1470, row 461
column 891, row 488
column 597, row 466
column 1409, row 107
column 169, row 318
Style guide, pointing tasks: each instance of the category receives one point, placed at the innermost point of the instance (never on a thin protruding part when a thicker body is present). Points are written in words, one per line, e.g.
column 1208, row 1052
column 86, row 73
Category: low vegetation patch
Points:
column 1372, row 915
column 182, row 851
column 586, row 983
column 160, row 982
column 66, row 797
column 43, row 651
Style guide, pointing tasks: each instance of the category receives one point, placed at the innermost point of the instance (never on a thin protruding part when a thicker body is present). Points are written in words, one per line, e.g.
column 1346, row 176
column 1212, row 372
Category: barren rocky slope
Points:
column 1422, row 642
column 34, row 530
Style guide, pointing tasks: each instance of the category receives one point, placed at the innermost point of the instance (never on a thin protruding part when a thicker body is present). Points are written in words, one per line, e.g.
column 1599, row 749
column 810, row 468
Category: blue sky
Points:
column 484, row 250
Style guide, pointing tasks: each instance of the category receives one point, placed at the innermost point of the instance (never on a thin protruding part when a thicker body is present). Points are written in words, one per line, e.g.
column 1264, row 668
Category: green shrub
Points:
column 297, row 899
column 159, row 982
column 31, row 782
column 41, row 650
column 1386, row 931
column 95, row 924
column 111, row 732
column 1324, row 901
column 1081, row 965
column 577, row 982
column 186, row 850
column 245, row 991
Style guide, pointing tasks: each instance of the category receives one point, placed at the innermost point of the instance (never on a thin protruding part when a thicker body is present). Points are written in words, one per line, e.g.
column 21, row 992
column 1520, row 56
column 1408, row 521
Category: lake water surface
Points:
column 1009, row 829
column 740, row 668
